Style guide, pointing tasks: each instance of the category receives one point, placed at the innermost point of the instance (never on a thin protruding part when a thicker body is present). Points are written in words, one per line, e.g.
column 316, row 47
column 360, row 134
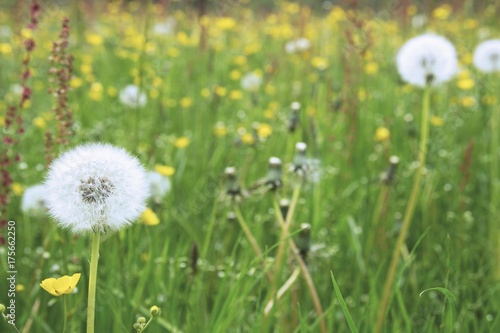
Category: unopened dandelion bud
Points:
column 388, row 175
column 2, row 308
column 304, row 240
column 232, row 188
column 231, row 217
column 137, row 327
column 141, row 320
column 300, row 160
column 155, row 311
column 284, row 206
column 274, row 173
column 293, row 118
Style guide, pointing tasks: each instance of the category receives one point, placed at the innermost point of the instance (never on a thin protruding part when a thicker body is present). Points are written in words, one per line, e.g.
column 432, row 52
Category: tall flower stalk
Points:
column 487, row 60
column 424, row 61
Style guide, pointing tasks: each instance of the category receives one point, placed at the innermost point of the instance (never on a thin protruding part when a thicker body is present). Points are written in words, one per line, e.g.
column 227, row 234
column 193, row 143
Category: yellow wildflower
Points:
column 252, row 48
column 39, row 122
column 319, row 63
column 154, row 93
column 442, row 12
column 2, row 121
column 17, row 188
column 95, row 92
column 264, row 130
column 186, row 102
column 149, row 217
column 247, row 138
column 220, row 91
column 236, row 94
column 173, row 52
column 20, row 287
column 112, row 91
column 164, row 170
column 465, row 83
column 5, row 48
column 225, row 23
column 371, row 68
column 220, row 130
column 86, row 68
column 240, row 60
column 235, row 75
column 75, row 82
column 437, row 121
column 63, row 285
column 182, row 142
column 94, row 39
column 382, row 134
column 468, row 101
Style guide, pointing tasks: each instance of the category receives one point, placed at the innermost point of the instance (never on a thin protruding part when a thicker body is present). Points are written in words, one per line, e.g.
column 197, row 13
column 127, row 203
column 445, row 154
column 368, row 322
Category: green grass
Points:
column 446, row 283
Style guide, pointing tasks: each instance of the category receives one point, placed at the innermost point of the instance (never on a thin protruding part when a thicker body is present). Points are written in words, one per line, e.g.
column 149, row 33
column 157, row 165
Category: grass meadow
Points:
column 232, row 85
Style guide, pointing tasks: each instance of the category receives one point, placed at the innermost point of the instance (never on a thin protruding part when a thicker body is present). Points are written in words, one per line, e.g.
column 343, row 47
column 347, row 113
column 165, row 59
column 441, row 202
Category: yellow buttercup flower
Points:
column 465, row 84
column 437, row 121
column 149, row 217
column 248, row 139
column 165, row 170
column 186, row 102
column 182, row 142
column 94, row 39
column 220, row 130
column 382, row 134
column 371, row 68
column 17, row 188
column 39, row 122
column 75, row 82
column 264, row 130
column 63, row 285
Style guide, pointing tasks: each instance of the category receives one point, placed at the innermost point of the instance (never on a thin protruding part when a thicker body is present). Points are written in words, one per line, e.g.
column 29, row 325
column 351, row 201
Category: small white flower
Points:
column 132, row 97
column 298, row 45
column 33, row 202
column 487, row 56
column 418, row 21
column 427, row 59
column 251, row 81
column 96, row 187
column 159, row 185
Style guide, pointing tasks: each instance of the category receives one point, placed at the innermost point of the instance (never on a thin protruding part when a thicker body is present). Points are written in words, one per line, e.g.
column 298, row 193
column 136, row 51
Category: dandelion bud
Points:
column 2, row 308
column 304, row 240
column 274, row 173
column 293, row 119
column 284, row 205
column 154, row 311
column 232, row 187
column 141, row 320
column 299, row 163
column 388, row 175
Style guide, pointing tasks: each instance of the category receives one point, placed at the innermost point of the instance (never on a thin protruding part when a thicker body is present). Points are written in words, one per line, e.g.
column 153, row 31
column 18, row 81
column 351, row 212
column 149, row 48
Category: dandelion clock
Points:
column 95, row 188
column 424, row 61
column 487, row 56
column 427, row 59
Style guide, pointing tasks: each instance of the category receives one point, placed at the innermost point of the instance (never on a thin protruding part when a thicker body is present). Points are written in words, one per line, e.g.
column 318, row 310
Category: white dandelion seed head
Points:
column 132, row 97
column 33, row 201
column 298, row 45
column 159, row 185
column 166, row 27
column 487, row 56
column 251, row 81
column 427, row 58
column 96, row 187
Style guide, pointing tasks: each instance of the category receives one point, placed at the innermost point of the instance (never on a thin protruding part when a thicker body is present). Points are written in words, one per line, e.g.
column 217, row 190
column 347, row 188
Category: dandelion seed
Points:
column 96, row 187
column 427, row 59
column 298, row 45
column 487, row 56
column 132, row 97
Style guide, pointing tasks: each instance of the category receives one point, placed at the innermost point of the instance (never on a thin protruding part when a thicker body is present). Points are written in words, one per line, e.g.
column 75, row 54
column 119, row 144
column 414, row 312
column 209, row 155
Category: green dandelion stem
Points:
column 304, row 270
column 494, row 232
column 410, row 208
column 92, row 283
column 65, row 309
column 251, row 239
column 382, row 197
